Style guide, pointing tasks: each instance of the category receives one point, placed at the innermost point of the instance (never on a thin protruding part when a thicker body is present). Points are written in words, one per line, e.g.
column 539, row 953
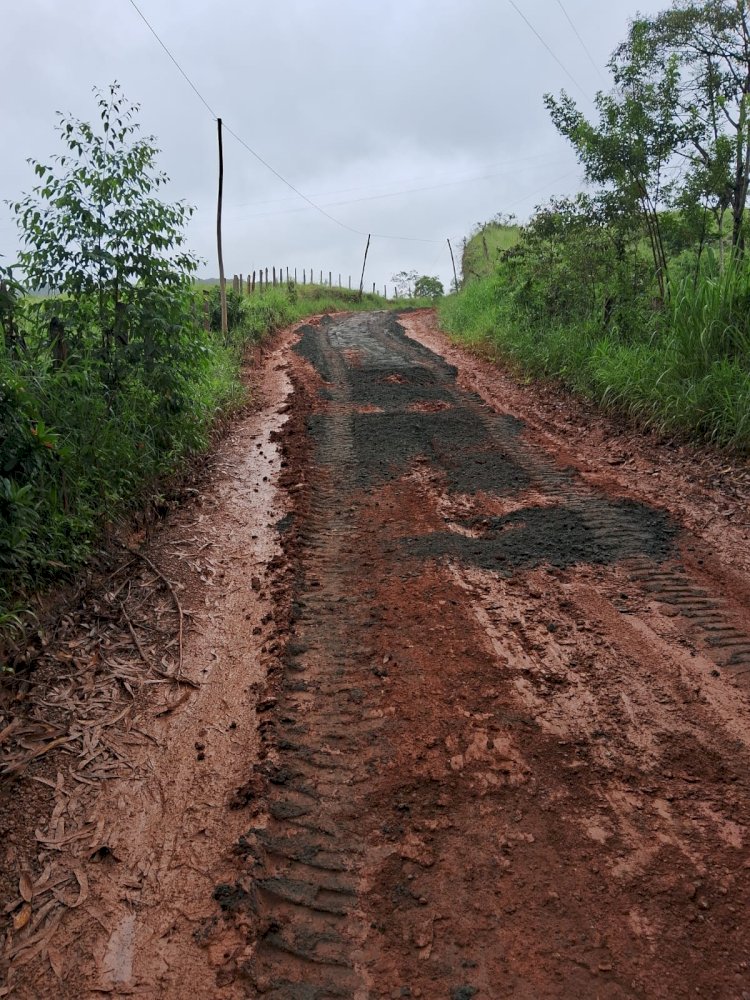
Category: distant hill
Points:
column 481, row 252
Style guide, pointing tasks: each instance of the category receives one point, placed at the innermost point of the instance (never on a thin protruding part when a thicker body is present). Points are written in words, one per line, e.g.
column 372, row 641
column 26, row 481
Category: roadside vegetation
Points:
column 637, row 293
column 118, row 375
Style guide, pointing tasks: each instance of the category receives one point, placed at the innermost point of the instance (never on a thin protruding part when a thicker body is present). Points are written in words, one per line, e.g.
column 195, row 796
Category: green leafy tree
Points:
column 426, row 287
column 627, row 152
column 95, row 231
column 706, row 47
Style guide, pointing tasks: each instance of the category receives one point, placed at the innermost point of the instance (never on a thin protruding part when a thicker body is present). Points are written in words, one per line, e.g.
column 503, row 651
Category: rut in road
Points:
column 506, row 752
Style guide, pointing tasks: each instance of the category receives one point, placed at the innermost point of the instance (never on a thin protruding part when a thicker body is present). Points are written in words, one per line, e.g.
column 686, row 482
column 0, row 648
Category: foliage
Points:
column 636, row 294
column 95, row 233
column 426, row 287
column 404, row 282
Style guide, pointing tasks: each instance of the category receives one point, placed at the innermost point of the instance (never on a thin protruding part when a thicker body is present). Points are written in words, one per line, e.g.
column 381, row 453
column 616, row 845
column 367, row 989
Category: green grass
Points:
column 480, row 257
column 692, row 378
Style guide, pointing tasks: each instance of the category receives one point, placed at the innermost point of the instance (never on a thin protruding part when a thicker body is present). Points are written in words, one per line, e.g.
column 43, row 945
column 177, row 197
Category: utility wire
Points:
column 562, row 66
column 377, row 197
column 182, row 71
column 258, row 157
column 584, row 46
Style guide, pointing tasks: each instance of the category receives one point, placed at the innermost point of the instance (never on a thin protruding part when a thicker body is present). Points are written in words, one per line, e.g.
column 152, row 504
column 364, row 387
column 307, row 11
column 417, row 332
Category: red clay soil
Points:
column 474, row 669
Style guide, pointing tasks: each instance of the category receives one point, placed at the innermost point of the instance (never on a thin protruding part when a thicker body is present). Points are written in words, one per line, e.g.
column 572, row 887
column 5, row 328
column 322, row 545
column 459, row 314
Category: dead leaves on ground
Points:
column 79, row 701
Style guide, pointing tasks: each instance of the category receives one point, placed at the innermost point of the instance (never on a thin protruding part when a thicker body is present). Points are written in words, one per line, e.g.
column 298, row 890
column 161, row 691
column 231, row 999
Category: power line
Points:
column 258, row 157
column 379, row 197
column 411, row 180
column 190, row 82
column 584, row 46
column 562, row 66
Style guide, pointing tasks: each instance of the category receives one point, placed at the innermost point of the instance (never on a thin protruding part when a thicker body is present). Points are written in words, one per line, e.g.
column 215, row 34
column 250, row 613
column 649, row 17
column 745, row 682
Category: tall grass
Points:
column 691, row 377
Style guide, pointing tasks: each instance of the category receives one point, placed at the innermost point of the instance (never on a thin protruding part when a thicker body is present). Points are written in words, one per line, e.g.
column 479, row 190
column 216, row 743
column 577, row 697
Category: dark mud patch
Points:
column 598, row 533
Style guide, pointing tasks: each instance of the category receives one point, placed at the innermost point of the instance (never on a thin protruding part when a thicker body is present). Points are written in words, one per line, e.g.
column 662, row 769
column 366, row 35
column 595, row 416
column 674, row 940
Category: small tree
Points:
column 426, row 287
column 95, row 231
column 404, row 282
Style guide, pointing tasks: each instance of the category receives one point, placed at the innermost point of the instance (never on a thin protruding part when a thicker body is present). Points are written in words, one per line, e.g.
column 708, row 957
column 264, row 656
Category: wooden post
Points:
column 330, row 280
column 236, row 284
column 321, row 277
column 453, row 261
column 57, row 341
column 304, row 276
column 249, row 284
column 385, row 291
column 287, row 276
column 350, row 282
column 295, row 276
column 242, row 285
column 222, row 279
column 266, row 277
column 274, row 276
column 364, row 265
column 373, row 288
column 253, row 281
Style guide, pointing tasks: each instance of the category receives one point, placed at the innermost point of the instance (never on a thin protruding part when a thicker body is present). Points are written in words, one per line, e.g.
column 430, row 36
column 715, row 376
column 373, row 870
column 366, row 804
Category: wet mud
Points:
column 483, row 723
column 475, row 723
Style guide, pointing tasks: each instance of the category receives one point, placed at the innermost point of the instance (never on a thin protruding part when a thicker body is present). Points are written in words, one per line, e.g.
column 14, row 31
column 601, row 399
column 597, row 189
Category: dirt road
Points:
column 473, row 715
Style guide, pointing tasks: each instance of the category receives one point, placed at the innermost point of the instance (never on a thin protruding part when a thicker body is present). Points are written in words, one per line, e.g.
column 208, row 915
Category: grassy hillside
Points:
column 481, row 252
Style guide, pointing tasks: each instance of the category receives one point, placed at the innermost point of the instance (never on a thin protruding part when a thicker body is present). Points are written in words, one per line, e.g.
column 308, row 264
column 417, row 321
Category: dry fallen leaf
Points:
column 55, row 960
column 25, row 888
column 21, row 919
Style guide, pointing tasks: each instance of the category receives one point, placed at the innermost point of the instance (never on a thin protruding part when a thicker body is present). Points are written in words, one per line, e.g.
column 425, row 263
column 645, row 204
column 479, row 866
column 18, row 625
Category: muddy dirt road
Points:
column 473, row 716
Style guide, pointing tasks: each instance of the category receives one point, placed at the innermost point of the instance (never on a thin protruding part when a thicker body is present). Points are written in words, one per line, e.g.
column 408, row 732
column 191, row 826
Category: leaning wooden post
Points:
column 453, row 261
column 364, row 265
column 222, row 279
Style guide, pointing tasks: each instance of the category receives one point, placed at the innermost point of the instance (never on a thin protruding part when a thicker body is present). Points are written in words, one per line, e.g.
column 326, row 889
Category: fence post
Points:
column 350, row 282
column 236, row 285
column 266, row 278
column 373, row 288
column 242, row 284
column 321, row 277
column 295, row 276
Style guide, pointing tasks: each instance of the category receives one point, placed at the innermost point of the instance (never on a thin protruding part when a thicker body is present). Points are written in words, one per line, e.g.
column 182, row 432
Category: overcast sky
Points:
column 411, row 118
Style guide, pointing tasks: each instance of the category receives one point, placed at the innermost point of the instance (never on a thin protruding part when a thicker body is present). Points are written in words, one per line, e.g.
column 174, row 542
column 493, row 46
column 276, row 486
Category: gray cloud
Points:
column 352, row 101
